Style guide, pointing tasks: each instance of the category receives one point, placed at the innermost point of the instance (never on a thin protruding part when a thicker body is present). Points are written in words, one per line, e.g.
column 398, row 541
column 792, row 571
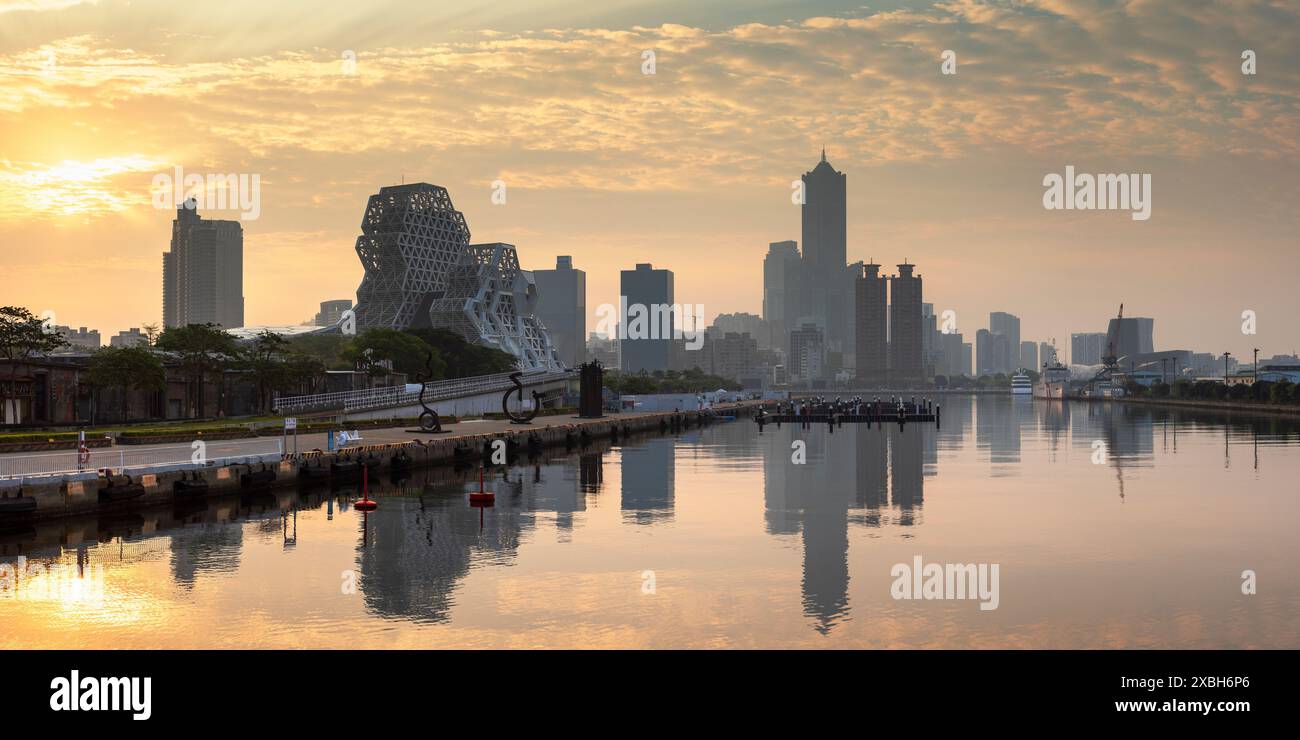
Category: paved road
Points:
column 32, row 463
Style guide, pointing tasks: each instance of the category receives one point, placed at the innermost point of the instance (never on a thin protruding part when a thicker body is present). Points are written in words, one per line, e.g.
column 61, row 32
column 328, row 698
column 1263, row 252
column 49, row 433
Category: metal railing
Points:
column 398, row 395
column 126, row 458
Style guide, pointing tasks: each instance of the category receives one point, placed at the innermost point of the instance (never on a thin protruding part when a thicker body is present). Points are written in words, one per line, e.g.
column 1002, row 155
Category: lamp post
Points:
column 1256, row 366
column 1226, row 355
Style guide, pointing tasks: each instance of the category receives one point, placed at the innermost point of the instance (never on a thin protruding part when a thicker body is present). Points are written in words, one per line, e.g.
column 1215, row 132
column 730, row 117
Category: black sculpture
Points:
column 590, row 390
column 519, row 391
column 429, row 421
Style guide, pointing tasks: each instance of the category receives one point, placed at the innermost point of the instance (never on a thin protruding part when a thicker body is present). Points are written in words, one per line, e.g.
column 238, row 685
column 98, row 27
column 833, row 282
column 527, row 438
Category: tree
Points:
column 380, row 351
column 463, row 359
column 262, row 358
column 22, row 334
column 126, row 368
column 202, row 349
column 151, row 332
column 327, row 348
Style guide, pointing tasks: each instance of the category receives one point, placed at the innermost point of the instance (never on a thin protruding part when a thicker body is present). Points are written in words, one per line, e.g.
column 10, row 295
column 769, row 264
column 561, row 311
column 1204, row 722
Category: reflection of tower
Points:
column 905, row 462
column 872, row 459
column 814, row 498
column 648, row 482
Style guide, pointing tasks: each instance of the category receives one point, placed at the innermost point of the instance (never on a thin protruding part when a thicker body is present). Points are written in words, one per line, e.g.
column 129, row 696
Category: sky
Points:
column 689, row 168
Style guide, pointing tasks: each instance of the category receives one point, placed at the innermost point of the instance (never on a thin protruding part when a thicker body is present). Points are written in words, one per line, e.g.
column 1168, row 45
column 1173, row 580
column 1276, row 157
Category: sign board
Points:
column 290, row 424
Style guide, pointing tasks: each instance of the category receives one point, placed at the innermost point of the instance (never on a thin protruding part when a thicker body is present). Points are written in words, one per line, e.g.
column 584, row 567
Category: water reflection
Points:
column 842, row 512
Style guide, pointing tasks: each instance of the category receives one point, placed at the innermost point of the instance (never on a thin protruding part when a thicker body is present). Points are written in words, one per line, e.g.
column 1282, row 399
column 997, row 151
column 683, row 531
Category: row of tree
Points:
column 666, row 381
column 272, row 362
column 1265, row 391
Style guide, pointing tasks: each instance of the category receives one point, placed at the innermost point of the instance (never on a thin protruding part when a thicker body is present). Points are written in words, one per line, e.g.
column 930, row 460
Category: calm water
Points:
column 1111, row 527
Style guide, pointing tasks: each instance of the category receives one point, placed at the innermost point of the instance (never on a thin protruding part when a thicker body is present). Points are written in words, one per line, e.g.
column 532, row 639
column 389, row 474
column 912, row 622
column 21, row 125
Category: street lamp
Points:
column 1256, row 366
column 1226, row 355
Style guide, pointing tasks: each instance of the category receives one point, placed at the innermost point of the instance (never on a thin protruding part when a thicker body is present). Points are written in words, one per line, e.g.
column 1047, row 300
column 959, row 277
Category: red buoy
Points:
column 365, row 504
column 481, row 496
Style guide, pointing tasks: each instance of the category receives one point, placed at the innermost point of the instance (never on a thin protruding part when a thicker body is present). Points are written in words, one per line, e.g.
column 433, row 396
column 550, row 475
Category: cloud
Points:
column 572, row 107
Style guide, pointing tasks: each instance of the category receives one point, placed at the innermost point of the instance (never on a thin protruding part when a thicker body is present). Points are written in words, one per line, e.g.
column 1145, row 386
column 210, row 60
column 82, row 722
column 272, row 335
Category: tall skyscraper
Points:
column 648, row 294
column 871, row 326
column 905, row 361
column 203, row 273
column 992, row 352
column 825, row 285
column 562, row 308
column 781, row 302
column 954, row 355
column 1008, row 326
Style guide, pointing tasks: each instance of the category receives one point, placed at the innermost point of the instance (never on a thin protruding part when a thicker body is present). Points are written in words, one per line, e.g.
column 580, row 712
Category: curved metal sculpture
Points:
column 518, row 390
column 429, row 420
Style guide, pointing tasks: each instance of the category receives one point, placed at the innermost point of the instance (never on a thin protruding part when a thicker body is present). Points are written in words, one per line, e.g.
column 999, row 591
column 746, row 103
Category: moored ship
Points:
column 1021, row 385
column 1054, row 382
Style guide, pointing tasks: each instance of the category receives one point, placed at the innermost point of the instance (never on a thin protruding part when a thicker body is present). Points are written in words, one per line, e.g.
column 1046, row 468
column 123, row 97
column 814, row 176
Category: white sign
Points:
column 290, row 424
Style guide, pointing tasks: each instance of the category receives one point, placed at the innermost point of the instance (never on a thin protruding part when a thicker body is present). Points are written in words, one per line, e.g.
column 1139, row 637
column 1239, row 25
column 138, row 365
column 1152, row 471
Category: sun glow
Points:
column 72, row 187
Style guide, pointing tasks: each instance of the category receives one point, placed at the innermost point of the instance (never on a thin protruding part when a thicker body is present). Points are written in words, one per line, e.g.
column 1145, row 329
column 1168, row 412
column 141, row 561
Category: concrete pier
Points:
column 468, row 442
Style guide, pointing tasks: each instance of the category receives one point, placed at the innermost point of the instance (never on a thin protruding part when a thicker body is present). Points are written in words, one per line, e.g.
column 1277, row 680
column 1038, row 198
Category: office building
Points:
column 648, row 327
column 1008, row 326
column 562, row 308
column 1028, row 356
column 331, row 312
column 781, row 284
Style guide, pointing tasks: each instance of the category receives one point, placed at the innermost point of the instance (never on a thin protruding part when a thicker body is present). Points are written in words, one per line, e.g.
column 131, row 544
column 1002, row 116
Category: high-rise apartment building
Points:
column 1028, row 355
column 1086, row 348
column 203, row 273
column 871, row 325
column 905, row 343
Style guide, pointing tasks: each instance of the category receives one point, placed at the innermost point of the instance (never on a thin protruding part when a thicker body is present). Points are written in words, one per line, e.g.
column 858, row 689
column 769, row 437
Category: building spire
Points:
column 823, row 152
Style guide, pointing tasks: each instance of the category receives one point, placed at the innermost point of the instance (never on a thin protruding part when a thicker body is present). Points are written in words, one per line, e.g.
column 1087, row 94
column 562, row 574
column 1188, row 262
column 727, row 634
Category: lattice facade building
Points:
column 421, row 270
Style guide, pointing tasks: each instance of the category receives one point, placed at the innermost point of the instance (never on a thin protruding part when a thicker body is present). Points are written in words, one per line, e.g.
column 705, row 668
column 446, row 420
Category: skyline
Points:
column 689, row 168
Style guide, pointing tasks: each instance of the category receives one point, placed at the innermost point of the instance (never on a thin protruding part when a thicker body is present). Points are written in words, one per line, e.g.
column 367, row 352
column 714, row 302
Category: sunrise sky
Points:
column 689, row 168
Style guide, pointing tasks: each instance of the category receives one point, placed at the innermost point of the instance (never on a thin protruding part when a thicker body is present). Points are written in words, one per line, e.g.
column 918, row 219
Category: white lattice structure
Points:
column 421, row 270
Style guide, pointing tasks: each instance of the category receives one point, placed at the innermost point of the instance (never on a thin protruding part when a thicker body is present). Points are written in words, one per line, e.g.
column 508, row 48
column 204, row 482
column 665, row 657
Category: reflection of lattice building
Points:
column 422, row 271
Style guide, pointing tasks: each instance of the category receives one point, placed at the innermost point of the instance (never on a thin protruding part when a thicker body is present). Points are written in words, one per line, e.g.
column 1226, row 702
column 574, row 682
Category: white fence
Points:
column 125, row 458
column 399, row 396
